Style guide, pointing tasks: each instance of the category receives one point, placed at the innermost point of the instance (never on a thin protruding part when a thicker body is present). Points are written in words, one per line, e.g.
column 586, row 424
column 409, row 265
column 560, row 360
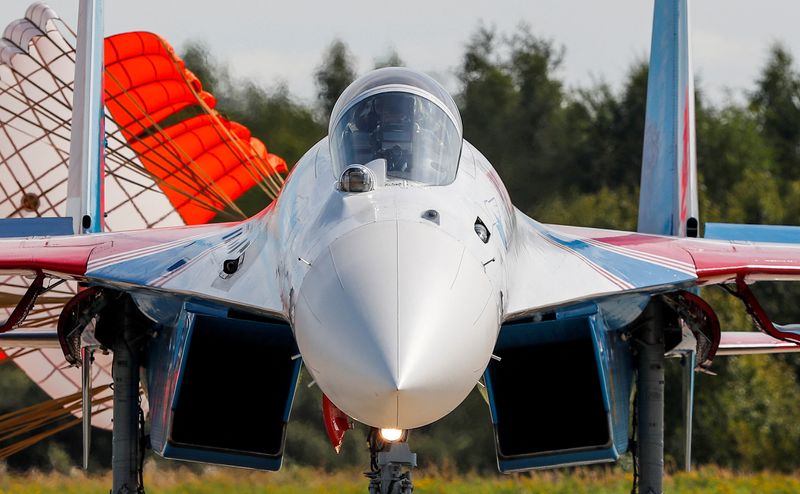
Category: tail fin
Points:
column 668, row 195
column 87, row 148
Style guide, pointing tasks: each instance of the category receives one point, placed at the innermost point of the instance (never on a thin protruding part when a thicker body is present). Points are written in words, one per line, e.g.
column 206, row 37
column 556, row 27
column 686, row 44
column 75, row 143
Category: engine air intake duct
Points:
column 552, row 399
column 227, row 398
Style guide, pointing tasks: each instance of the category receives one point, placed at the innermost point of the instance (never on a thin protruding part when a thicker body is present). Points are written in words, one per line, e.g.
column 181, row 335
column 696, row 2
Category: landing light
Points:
column 391, row 435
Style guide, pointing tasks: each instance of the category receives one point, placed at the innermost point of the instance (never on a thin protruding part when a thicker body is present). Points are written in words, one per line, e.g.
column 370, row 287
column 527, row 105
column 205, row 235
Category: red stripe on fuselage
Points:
column 685, row 162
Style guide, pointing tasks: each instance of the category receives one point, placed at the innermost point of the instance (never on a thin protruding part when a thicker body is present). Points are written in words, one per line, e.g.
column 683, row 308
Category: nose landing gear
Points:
column 390, row 466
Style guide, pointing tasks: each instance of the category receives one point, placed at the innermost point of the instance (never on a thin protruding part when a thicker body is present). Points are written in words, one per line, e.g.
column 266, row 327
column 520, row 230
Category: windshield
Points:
column 416, row 137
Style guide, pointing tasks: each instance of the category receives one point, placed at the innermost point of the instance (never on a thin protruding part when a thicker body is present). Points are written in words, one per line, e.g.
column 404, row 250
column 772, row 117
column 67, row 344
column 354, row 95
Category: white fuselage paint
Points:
column 395, row 314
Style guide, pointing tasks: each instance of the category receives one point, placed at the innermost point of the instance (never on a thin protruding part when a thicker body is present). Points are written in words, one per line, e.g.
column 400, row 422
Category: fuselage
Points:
column 394, row 299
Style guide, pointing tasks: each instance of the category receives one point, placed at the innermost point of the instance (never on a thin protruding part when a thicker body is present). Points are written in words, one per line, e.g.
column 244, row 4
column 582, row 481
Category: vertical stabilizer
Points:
column 87, row 145
column 668, row 196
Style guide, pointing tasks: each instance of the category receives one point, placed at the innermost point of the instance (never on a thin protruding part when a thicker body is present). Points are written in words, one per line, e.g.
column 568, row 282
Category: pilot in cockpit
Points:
column 418, row 139
column 388, row 121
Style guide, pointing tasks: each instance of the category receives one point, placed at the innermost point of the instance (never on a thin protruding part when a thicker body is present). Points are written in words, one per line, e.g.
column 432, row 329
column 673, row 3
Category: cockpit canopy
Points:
column 402, row 116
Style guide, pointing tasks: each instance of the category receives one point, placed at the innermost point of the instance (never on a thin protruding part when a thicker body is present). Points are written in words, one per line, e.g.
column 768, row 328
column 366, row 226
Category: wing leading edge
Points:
column 559, row 265
column 183, row 261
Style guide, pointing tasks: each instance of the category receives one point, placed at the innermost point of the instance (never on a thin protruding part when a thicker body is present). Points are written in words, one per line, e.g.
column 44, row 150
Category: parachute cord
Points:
column 27, row 420
column 205, row 185
column 210, row 181
column 70, row 54
column 39, row 123
column 66, row 124
column 271, row 178
column 30, row 441
column 22, row 353
column 17, row 151
column 274, row 180
column 30, row 323
column 42, row 314
column 29, row 102
column 66, row 26
column 175, row 161
column 115, row 156
column 160, row 182
column 209, row 189
column 209, row 186
column 121, row 161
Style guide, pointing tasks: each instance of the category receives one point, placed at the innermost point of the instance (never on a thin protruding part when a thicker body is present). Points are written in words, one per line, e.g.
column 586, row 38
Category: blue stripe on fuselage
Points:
column 637, row 272
column 143, row 270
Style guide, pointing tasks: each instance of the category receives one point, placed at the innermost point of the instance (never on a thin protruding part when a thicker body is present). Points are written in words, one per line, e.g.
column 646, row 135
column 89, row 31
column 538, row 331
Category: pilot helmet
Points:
column 400, row 116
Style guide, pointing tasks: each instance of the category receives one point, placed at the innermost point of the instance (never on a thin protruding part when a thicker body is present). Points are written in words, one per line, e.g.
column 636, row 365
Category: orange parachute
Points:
column 202, row 162
column 170, row 159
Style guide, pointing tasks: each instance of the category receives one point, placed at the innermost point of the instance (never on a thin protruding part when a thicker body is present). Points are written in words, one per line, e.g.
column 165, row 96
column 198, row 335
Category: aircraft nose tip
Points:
column 396, row 322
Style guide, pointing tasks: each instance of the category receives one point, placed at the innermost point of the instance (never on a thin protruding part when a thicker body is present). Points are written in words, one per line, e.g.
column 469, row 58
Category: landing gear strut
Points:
column 390, row 466
column 650, row 401
column 127, row 444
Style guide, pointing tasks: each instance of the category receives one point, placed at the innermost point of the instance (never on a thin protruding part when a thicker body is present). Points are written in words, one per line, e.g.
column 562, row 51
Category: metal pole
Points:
column 125, row 440
column 650, row 406
column 87, row 144
column 688, row 362
column 87, row 357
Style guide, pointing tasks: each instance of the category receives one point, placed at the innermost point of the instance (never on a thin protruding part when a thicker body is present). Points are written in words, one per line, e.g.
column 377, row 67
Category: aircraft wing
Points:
column 186, row 261
column 78, row 257
column 559, row 265
column 752, row 343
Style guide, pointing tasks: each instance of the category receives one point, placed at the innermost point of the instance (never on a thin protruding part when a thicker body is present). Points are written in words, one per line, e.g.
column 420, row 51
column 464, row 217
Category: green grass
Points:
column 306, row 480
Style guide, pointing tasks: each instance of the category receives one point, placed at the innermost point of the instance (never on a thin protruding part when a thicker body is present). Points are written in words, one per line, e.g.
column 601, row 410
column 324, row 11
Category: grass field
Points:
column 302, row 480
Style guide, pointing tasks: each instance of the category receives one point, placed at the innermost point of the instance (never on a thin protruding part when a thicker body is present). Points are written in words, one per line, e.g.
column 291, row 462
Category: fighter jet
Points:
column 395, row 268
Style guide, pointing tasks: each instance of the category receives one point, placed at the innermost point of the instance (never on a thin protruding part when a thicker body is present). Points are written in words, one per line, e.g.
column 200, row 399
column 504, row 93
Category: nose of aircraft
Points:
column 396, row 322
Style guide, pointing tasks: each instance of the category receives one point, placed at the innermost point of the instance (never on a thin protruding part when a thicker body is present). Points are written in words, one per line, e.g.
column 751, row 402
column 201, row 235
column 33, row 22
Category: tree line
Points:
column 572, row 156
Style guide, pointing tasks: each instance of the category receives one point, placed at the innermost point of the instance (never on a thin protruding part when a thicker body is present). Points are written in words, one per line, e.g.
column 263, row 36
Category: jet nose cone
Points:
column 396, row 322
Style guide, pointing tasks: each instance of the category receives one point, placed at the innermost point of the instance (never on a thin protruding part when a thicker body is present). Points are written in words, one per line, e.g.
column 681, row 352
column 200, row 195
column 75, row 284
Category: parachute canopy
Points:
column 202, row 162
column 170, row 158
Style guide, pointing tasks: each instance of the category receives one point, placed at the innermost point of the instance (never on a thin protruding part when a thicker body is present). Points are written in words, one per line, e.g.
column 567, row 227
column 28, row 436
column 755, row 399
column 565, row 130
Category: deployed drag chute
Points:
column 170, row 160
column 202, row 162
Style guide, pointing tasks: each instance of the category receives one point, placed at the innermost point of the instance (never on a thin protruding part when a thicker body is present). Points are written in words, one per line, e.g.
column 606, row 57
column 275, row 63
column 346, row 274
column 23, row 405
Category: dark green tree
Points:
column 333, row 75
column 511, row 106
column 776, row 102
column 286, row 126
column 389, row 59
column 197, row 57
column 487, row 100
column 604, row 133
